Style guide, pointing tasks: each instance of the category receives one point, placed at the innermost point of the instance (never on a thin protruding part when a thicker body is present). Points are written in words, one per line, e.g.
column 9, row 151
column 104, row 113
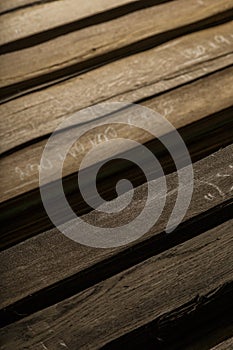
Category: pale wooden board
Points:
column 14, row 5
column 98, row 40
column 21, row 172
column 25, row 22
column 132, row 298
column 129, row 79
column 51, row 257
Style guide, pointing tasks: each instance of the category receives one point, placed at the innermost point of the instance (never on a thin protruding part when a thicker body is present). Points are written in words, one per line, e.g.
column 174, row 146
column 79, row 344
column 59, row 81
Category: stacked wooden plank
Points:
column 162, row 291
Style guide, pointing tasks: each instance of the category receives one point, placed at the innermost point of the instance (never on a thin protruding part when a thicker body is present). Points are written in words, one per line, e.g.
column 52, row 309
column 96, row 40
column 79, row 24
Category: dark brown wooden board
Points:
column 15, row 224
column 163, row 291
column 160, row 289
column 52, row 258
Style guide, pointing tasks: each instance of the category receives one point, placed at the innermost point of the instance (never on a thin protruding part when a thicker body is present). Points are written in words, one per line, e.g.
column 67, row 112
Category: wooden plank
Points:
column 200, row 324
column 149, row 291
column 127, row 299
column 13, row 5
column 49, row 15
column 138, row 76
column 16, row 227
column 21, row 175
column 51, row 257
column 74, row 49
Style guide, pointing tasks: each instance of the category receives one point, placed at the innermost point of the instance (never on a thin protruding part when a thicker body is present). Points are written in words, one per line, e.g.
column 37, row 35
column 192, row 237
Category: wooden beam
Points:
column 51, row 14
column 96, row 44
column 21, row 172
column 159, row 290
column 129, row 79
column 12, row 5
column 51, row 257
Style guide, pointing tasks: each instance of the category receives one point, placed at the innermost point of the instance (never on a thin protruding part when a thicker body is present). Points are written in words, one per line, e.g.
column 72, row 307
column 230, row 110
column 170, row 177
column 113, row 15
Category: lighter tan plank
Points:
column 129, row 79
column 100, row 39
column 12, row 5
column 29, row 21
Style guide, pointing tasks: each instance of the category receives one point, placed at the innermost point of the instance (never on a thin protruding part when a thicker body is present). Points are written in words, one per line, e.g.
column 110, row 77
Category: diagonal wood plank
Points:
column 13, row 5
column 16, row 227
column 21, row 168
column 76, row 48
column 51, row 257
column 176, row 278
column 147, row 292
column 128, row 79
column 200, row 324
column 51, row 14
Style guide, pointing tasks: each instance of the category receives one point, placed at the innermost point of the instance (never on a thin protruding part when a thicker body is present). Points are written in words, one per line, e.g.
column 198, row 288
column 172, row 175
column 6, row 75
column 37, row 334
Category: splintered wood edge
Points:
column 132, row 298
column 103, row 38
column 52, row 257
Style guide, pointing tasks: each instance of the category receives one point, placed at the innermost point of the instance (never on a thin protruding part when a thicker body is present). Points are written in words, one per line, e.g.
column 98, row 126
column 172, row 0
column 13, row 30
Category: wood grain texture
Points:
column 148, row 291
column 49, row 15
column 75, row 48
column 129, row 79
column 12, row 5
column 16, row 227
column 21, row 168
column 164, row 291
column 51, row 257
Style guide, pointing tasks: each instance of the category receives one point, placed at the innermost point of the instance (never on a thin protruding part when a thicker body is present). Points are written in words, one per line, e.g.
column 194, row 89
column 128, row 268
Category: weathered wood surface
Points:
column 12, row 5
column 49, row 15
column 105, row 41
column 150, row 291
column 21, row 168
column 130, row 79
column 161, row 291
column 51, row 257
column 16, row 226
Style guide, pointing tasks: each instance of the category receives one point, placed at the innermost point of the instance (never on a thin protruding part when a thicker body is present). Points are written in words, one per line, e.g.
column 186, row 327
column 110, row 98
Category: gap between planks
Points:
column 15, row 223
column 21, row 175
column 76, row 51
column 150, row 291
column 55, row 14
column 52, row 258
column 129, row 79
column 226, row 345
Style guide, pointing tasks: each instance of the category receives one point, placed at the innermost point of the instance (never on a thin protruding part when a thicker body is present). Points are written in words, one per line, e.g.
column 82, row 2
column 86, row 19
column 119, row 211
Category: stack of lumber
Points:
column 162, row 291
